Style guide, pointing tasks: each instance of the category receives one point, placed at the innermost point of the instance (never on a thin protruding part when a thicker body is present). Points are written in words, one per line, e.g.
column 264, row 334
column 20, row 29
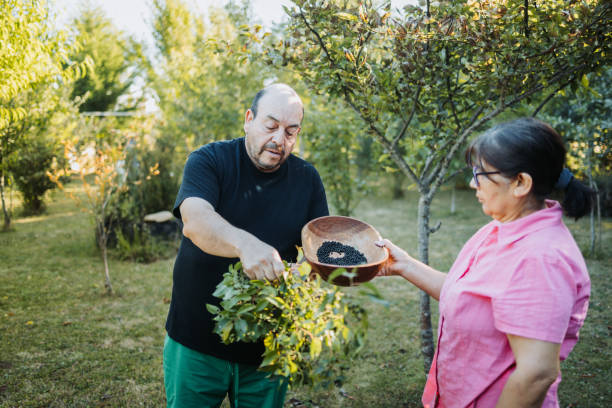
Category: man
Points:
column 248, row 199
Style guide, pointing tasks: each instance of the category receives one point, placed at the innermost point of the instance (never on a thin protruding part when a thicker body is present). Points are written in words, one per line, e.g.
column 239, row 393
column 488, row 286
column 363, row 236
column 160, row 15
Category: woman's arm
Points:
column 422, row 276
column 537, row 367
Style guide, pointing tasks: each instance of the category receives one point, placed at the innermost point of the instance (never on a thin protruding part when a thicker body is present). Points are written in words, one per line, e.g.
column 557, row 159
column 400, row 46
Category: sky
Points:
column 133, row 16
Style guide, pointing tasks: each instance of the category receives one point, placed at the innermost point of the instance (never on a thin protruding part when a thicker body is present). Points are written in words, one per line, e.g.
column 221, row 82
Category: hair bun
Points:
column 565, row 178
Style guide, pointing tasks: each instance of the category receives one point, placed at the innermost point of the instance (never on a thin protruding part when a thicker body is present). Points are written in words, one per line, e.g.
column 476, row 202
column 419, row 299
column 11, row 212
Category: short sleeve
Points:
column 318, row 201
column 200, row 179
column 537, row 301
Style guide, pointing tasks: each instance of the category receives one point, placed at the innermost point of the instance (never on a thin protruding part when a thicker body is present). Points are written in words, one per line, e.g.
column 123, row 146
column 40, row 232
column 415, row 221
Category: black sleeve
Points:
column 318, row 200
column 200, row 179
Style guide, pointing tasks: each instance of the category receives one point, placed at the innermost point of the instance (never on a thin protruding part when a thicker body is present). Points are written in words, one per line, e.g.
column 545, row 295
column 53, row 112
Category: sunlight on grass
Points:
column 43, row 217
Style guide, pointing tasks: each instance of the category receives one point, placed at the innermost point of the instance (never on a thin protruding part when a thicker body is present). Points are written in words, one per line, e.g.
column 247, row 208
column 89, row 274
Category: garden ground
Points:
column 64, row 343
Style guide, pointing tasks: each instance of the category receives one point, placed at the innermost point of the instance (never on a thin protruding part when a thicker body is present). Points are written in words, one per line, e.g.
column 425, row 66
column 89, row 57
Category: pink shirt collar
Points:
column 514, row 230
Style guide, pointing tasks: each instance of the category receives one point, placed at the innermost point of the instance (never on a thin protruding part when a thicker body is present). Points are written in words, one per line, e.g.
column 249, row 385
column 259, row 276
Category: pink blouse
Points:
column 527, row 278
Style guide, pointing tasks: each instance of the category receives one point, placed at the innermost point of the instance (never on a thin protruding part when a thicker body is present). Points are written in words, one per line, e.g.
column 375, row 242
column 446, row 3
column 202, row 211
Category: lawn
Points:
column 64, row 343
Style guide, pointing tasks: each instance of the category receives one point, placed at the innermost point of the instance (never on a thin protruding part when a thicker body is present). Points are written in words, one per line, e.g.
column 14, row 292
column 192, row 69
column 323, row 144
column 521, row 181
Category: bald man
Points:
column 243, row 199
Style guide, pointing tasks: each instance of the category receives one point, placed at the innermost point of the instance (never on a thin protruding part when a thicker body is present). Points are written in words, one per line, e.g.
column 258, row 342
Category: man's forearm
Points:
column 209, row 231
column 214, row 235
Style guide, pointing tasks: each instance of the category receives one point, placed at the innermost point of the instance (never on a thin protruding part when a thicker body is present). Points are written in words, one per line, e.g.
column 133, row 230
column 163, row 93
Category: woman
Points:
column 516, row 296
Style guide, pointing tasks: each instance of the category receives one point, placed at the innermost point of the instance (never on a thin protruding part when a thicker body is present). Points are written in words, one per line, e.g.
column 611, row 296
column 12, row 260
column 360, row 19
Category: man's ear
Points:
column 248, row 118
column 522, row 185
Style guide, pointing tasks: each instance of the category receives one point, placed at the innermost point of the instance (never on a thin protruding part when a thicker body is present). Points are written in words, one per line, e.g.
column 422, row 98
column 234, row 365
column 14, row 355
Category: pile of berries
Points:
column 344, row 255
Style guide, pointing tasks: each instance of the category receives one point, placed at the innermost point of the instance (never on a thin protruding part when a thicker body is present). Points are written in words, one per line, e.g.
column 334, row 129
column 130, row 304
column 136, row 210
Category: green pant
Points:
column 194, row 379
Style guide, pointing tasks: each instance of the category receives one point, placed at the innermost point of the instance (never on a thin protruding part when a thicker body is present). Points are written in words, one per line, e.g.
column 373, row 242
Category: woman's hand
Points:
column 401, row 264
column 398, row 259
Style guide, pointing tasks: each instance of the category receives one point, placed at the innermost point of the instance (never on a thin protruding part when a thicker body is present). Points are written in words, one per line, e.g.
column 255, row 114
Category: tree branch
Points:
column 548, row 98
column 400, row 135
column 397, row 158
column 319, row 39
column 453, row 174
column 431, row 158
column 452, row 103
column 435, row 228
column 443, row 165
column 364, row 42
column 526, row 18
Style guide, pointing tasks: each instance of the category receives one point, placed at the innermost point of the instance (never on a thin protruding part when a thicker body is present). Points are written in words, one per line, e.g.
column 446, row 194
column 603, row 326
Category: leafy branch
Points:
column 308, row 327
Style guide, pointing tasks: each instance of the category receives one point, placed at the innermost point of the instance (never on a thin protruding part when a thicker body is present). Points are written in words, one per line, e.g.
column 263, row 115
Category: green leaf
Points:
column 212, row 309
column 220, row 291
column 269, row 359
column 371, row 289
column 585, row 81
column 241, row 328
column 338, row 272
column 347, row 16
column 226, row 331
column 273, row 301
column 245, row 308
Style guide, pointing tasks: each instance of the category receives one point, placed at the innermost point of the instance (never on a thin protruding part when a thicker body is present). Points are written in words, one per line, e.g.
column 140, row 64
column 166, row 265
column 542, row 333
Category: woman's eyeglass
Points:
column 477, row 173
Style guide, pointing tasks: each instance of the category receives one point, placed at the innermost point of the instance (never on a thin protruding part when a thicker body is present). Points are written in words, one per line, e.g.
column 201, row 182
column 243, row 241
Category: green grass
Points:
column 64, row 343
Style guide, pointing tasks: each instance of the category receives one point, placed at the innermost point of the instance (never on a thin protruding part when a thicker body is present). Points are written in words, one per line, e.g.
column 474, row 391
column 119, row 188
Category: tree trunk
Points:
column 594, row 187
column 592, row 224
column 598, row 218
column 398, row 192
column 7, row 218
column 427, row 342
column 595, row 222
column 102, row 243
column 107, row 283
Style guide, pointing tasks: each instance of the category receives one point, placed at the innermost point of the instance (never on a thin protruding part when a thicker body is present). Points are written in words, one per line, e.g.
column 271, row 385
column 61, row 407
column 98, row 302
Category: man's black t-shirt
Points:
column 272, row 206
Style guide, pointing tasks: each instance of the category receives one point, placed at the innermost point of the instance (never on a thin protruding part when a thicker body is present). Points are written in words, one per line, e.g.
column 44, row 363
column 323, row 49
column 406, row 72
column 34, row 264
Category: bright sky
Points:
column 133, row 16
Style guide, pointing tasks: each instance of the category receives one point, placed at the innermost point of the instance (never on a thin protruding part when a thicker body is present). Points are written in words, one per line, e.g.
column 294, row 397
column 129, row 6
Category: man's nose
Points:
column 278, row 136
column 473, row 184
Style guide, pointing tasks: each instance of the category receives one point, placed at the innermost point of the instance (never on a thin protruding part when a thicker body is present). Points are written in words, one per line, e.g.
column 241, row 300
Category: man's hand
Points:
column 261, row 261
column 214, row 235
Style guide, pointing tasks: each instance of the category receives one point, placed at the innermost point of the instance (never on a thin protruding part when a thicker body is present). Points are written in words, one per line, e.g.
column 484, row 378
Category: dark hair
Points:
column 531, row 146
column 255, row 103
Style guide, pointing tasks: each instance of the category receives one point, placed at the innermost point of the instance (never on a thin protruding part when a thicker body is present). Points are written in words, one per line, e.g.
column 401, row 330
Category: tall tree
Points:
column 202, row 82
column 32, row 52
column 37, row 143
column 116, row 63
column 441, row 72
